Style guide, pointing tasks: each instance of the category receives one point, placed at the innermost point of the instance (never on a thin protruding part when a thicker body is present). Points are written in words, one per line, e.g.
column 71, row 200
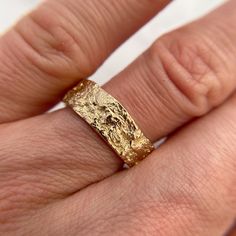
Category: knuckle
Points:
column 192, row 68
column 54, row 43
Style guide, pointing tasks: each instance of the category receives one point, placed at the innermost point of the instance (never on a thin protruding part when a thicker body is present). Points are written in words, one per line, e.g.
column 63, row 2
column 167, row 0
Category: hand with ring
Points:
column 59, row 177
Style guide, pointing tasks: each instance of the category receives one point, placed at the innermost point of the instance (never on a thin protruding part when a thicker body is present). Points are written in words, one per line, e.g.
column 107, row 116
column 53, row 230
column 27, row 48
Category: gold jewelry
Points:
column 111, row 120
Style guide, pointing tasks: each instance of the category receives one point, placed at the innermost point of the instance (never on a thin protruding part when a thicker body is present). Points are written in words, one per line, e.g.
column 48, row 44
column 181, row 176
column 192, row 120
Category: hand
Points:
column 56, row 175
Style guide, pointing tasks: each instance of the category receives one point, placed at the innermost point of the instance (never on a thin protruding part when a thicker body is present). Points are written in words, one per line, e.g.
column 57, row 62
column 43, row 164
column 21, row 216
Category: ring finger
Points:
column 183, row 75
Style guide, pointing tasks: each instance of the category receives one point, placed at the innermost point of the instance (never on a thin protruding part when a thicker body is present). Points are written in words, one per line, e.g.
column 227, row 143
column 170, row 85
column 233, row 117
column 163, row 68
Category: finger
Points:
column 183, row 75
column 187, row 187
column 51, row 163
column 66, row 144
column 59, row 43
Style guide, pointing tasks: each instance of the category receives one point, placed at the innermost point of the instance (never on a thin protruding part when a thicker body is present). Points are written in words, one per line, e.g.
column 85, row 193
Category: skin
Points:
column 57, row 177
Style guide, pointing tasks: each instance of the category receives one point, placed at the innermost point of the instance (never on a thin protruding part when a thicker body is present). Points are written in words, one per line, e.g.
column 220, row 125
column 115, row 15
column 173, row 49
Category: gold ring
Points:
column 111, row 120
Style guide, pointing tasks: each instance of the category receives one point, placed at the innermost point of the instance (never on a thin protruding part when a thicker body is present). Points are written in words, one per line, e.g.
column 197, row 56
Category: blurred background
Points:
column 177, row 13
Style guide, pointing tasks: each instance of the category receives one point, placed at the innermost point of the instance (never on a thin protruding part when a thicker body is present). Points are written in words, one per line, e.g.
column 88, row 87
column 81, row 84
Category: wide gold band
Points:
column 111, row 120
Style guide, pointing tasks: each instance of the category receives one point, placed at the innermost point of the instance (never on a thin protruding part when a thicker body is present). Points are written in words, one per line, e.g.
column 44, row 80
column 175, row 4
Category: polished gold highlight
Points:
column 111, row 120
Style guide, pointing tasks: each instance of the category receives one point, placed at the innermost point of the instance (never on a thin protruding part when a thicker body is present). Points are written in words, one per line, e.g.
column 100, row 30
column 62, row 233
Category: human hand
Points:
column 58, row 177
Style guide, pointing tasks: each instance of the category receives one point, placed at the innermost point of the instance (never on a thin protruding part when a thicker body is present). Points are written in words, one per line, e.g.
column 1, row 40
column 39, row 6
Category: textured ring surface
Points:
column 111, row 120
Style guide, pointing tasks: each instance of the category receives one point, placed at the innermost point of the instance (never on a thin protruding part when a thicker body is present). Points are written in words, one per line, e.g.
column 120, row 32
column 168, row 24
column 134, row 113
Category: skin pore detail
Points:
column 58, row 177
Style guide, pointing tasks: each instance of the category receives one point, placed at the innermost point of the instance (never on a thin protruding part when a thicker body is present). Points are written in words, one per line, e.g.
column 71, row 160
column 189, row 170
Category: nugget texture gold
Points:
column 111, row 120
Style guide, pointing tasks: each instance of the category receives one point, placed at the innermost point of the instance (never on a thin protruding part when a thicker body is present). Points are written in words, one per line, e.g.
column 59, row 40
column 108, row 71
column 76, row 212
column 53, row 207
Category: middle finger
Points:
column 184, row 75
column 67, row 40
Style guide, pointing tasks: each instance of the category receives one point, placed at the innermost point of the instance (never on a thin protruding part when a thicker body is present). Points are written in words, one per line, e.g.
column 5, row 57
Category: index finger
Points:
column 60, row 42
